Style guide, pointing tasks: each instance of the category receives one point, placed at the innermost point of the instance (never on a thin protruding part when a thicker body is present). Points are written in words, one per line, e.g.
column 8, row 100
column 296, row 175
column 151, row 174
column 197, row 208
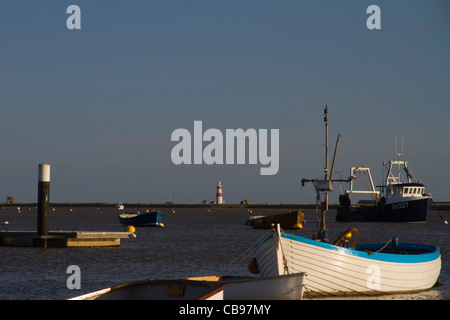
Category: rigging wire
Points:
column 234, row 264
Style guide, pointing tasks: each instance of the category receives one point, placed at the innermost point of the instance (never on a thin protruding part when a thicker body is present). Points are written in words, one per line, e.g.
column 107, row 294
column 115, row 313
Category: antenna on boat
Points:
column 398, row 154
column 334, row 156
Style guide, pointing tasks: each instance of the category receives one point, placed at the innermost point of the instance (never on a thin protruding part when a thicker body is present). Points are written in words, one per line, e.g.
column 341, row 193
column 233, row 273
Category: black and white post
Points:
column 43, row 199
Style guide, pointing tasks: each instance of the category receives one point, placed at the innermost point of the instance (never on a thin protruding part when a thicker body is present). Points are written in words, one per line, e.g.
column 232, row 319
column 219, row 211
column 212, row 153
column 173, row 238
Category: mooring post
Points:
column 43, row 199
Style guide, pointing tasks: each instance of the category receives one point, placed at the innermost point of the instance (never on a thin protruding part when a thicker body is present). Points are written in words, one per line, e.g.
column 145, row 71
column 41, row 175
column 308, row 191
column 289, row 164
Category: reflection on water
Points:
column 194, row 242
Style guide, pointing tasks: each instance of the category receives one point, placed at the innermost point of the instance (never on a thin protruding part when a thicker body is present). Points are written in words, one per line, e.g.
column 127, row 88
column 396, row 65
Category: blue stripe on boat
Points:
column 427, row 253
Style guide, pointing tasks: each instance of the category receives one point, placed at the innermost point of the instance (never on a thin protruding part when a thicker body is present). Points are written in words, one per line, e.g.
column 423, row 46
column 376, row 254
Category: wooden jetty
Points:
column 63, row 239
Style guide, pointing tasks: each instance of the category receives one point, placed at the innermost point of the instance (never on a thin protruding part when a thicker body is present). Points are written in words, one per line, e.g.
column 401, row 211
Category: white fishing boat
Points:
column 154, row 289
column 334, row 270
column 338, row 268
column 278, row 287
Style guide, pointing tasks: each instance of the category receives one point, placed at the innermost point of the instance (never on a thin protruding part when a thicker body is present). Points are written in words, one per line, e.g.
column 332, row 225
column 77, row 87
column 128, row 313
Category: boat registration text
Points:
column 399, row 206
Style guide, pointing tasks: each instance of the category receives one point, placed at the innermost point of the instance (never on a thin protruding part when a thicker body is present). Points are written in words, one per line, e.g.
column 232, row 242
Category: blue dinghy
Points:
column 148, row 219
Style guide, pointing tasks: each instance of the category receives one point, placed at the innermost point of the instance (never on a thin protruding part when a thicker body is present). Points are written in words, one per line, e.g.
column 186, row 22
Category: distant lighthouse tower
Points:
column 219, row 199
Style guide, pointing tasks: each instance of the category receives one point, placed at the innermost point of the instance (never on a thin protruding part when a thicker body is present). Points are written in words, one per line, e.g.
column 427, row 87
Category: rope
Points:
column 383, row 246
column 308, row 293
column 366, row 184
column 286, row 268
column 244, row 255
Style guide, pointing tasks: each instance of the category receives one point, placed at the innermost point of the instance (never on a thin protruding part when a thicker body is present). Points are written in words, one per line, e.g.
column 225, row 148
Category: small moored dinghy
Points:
column 288, row 220
column 152, row 218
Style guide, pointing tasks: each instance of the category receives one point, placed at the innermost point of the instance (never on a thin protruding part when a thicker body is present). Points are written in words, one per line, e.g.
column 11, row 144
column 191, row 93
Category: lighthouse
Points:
column 219, row 199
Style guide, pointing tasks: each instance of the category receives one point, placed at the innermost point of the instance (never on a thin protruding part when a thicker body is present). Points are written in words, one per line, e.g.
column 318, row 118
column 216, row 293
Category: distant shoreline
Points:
column 437, row 206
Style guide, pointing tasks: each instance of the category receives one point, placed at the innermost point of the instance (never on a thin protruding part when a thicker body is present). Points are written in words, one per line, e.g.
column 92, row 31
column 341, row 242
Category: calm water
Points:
column 194, row 242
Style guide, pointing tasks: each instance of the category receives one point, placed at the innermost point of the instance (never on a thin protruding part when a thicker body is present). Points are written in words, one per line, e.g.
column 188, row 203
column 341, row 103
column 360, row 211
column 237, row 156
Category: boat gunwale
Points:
column 242, row 279
column 139, row 214
column 432, row 254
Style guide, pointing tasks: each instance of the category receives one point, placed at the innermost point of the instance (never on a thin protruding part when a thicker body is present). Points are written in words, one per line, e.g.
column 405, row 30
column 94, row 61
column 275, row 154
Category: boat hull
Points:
column 336, row 271
column 289, row 220
column 155, row 289
column 283, row 287
column 405, row 211
column 149, row 219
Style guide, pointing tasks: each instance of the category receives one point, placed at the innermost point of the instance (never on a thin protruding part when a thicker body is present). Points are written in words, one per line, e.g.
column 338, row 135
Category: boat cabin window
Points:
column 397, row 190
column 413, row 190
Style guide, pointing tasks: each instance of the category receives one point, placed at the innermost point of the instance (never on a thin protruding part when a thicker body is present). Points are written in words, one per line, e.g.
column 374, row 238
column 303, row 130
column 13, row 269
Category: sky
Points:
column 100, row 103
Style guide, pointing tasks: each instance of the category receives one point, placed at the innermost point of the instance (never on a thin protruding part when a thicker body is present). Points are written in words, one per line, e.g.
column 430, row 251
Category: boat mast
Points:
column 323, row 227
column 325, row 185
column 325, row 119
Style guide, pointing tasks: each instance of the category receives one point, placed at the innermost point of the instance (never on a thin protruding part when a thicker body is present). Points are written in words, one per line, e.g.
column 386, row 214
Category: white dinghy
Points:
column 333, row 270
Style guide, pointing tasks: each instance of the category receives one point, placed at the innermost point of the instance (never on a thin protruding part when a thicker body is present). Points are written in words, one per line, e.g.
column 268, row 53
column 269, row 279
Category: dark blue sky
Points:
column 99, row 104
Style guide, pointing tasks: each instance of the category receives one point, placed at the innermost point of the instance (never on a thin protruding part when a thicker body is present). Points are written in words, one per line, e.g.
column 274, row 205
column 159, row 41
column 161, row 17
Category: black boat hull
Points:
column 406, row 211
